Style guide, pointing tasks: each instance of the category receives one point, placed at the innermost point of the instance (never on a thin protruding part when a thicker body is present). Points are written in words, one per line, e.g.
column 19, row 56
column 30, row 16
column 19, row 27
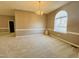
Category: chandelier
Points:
column 39, row 11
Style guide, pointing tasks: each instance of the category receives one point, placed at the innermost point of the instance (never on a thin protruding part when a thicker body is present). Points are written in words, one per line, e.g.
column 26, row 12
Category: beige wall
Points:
column 4, row 23
column 28, row 23
column 73, row 23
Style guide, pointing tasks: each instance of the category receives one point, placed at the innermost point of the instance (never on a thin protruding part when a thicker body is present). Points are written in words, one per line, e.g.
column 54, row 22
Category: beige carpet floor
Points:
column 35, row 46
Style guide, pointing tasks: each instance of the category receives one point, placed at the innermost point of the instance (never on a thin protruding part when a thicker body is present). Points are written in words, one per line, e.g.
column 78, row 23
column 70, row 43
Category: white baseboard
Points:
column 4, row 28
column 64, row 40
column 22, row 32
column 73, row 33
column 27, row 29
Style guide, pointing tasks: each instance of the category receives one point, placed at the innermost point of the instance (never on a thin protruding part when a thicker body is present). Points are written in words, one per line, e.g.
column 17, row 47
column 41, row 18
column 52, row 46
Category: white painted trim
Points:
column 64, row 40
column 57, row 32
column 73, row 33
column 27, row 29
column 4, row 28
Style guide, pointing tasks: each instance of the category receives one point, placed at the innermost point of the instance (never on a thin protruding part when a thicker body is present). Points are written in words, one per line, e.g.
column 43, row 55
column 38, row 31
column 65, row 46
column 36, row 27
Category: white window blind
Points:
column 60, row 23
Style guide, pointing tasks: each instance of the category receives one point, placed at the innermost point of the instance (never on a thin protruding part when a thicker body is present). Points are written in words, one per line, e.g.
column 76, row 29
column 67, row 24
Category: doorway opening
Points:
column 11, row 26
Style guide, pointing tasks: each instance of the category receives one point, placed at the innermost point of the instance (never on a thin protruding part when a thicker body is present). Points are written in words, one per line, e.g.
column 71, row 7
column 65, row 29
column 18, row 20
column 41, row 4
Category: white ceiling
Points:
column 8, row 7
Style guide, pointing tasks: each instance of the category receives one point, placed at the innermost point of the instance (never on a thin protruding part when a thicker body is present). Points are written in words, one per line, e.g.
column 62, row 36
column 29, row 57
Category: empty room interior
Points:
column 39, row 29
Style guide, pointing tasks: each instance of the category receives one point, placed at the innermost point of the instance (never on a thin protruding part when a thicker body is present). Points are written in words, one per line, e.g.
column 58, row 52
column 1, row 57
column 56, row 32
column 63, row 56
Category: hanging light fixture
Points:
column 39, row 12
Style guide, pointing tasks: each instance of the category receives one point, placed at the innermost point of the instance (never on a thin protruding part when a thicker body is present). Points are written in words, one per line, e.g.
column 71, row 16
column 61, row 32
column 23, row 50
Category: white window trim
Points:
column 61, row 30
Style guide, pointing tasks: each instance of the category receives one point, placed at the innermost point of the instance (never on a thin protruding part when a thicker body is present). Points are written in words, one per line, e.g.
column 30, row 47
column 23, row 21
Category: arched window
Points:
column 60, row 23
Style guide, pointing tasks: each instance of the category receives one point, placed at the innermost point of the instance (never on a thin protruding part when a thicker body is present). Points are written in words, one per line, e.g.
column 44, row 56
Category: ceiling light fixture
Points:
column 39, row 11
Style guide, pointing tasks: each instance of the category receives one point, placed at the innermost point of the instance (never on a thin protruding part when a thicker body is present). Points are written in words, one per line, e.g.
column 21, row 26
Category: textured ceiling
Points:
column 8, row 7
